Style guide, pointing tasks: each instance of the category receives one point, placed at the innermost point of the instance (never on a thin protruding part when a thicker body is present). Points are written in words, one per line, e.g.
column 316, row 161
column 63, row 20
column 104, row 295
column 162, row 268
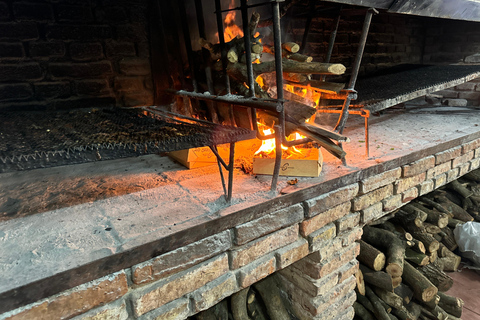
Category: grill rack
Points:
column 30, row 140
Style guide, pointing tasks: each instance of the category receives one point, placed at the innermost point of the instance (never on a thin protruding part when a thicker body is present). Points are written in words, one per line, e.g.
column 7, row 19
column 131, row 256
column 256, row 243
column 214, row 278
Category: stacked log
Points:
column 404, row 260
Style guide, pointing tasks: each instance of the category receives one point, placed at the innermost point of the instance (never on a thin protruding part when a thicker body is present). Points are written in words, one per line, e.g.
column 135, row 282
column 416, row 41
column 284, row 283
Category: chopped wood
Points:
column 300, row 57
column 433, row 229
column 378, row 279
column 364, row 301
column 435, row 217
column 291, row 47
column 436, row 205
column 414, row 310
column 301, row 67
column 449, row 239
column 473, row 175
column 239, row 305
column 437, row 313
column 451, row 305
column 440, row 279
column 451, row 263
column 361, row 312
column 360, row 282
column 379, row 310
column 418, row 246
column 419, row 259
column 371, row 256
column 389, row 297
column 404, row 292
column 269, row 292
column 295, row 77
column 457, row 211
column 453, row 223
column 253, row 23
column 394, row 248
column 324, row 132
column 422, row 288
column 430, row 243
column 460, row 189
column 396, row 281
column 324, row 142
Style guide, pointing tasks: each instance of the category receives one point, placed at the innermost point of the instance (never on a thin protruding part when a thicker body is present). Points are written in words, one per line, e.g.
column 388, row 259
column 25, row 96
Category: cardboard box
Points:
column 201, row 157
column 308, row 163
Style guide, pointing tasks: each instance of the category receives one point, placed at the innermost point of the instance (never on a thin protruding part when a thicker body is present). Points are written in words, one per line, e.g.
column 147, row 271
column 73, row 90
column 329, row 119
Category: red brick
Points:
column 366, row 200
column 373, row 212
column 291, row 253
column 330, row 199
column 438, row 170
column 271, row 222
column 470, row 146
column 322, row 219
column 181, row 259
column 379, row 180
column 163, row 291
column 77, row 300
column 407, row 183
column 256, row 271
column 463, row 159
column 447, row 155
column 418, row 167
column 348, row 222
column 253, row 250
column 392, row 203
column 409, row 194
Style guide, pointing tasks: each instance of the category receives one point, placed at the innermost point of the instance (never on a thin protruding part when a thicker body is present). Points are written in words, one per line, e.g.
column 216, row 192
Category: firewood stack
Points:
column 297, row 71
column 403, row 260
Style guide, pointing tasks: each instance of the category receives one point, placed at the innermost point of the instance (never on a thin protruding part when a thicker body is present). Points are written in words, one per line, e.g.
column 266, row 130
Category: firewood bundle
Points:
column 297, row 71
column 403, row 260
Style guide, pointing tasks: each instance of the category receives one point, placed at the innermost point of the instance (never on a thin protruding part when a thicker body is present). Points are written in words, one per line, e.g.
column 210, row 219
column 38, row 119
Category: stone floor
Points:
column 466, row 286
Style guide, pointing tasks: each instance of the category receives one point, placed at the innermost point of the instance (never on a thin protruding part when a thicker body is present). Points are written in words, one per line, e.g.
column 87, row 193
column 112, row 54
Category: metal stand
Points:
column 229, row 167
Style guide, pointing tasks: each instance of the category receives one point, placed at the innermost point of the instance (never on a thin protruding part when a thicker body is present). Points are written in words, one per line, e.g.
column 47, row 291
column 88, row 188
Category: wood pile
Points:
column 404, row 260
column 297, row 71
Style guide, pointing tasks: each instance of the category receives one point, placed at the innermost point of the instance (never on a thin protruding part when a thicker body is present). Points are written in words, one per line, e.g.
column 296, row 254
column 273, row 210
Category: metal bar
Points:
column 248, row 48
column 234, row 99
column 356, row 67
column 278, row 157
column 248, row 6
column 220, row 169
column 333, row 36
column 231, row 166
column 205, row 53
column 331, row 41
column 188, row 44
column 221, row 38
column 367, row 138
column 280, row 128
column 306, row 30
column 219, row 158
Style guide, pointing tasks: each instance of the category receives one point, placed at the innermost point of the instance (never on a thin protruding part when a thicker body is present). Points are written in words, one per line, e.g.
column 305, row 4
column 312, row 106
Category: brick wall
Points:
column 312, row 245
column 67, row 53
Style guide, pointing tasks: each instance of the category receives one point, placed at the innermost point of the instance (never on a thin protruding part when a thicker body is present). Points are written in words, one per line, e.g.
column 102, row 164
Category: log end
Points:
column 429, row 294
column 394, row 269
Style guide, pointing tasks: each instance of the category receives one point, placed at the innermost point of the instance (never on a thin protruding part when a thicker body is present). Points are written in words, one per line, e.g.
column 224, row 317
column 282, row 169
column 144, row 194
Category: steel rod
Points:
column 331, row 41
column 234, row 99
column 248, row 6
column 278, row 157
column 188, row 44
column 367, row 138
column 221, row 39
column 248, row 48
column 231, row 166
column 306, row 30
column 356, row 67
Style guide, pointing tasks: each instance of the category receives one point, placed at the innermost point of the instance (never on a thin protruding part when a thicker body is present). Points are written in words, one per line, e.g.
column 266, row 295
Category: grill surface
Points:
column 406, row 82
column 43, row 139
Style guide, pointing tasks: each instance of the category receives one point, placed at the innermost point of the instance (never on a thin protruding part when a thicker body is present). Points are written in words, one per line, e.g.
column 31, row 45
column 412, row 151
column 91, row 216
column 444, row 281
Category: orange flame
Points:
column 268, row 146
column 231, row 29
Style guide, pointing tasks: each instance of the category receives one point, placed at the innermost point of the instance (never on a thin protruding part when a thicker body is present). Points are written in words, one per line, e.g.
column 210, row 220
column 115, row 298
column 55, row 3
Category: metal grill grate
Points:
column 42, row 139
